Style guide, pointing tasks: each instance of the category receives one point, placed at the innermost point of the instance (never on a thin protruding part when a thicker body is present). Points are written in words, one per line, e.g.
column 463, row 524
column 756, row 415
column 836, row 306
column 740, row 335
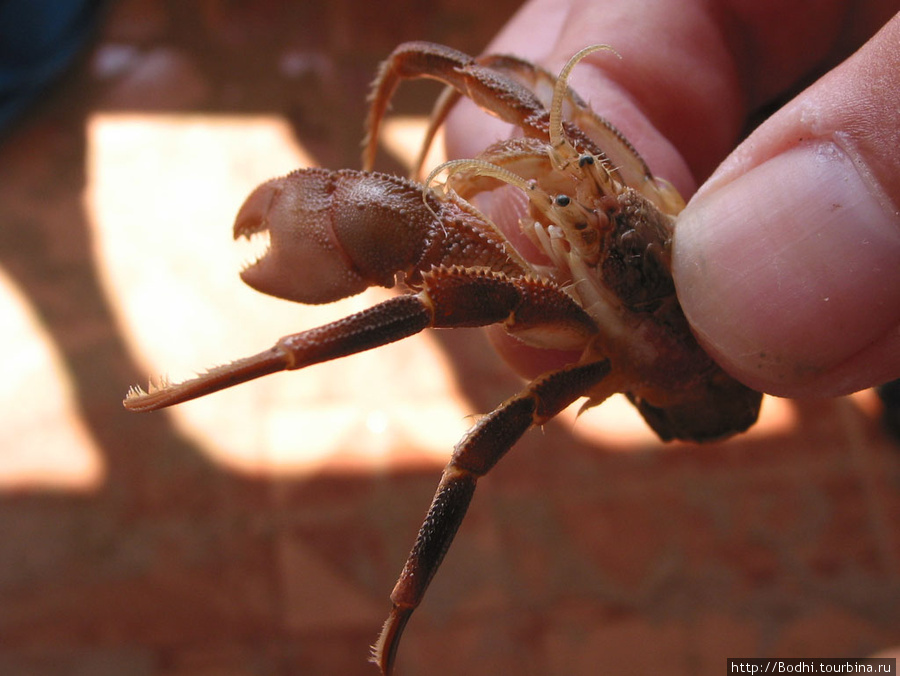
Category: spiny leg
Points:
column 617, row 149
column 384, row 323
column 533, row 77
column 520, row 93
column 536, row 79
column 451, row 297
column 489, row 89
column 541, row 83
column 473, row 457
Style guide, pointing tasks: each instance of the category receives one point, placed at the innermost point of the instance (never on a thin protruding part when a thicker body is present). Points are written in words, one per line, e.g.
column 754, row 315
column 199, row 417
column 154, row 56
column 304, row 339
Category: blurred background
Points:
column 260, row 531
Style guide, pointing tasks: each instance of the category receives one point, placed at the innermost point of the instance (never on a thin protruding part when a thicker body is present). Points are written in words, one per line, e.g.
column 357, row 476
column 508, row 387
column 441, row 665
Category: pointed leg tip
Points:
column 384, row 652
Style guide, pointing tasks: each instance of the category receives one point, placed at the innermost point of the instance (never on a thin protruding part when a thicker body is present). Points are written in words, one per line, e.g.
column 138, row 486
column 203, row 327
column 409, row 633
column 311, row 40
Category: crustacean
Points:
column 599, row 286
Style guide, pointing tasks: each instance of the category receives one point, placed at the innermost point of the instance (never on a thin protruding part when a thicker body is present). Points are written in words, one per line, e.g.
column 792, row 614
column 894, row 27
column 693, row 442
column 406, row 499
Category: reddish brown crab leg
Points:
column 517, row 92
column 503, row 97
column 452, row 297
column 474, row 457
column 541, row 82
column 381, row 324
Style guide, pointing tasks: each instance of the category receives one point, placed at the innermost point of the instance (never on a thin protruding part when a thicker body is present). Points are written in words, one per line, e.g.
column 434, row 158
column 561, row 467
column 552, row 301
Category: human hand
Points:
column 787, row 259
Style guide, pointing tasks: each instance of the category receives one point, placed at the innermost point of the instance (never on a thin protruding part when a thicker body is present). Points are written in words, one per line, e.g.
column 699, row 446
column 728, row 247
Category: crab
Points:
column 589, row 275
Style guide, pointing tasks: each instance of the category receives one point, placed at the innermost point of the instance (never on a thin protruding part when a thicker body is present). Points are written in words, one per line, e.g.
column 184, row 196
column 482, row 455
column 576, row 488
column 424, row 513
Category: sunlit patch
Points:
column 614, row 423
column 868, row 401
column 618, row 425
column 43, row 444
column 377, row 422
column 401, row 136
column 776, row 417
column 163, row 192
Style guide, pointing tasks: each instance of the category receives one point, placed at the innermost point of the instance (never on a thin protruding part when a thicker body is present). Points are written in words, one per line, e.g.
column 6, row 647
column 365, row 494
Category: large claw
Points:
column 333, row 234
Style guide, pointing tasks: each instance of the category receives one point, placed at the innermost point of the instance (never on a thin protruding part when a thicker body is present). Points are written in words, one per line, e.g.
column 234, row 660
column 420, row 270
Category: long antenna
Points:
column 557, row 137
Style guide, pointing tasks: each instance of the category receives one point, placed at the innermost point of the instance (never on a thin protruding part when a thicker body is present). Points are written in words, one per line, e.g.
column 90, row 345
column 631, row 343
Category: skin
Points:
column 787, row 258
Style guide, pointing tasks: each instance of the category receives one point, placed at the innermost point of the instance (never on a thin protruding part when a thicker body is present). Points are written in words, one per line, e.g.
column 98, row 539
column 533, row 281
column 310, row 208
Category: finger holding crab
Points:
column 783, row 316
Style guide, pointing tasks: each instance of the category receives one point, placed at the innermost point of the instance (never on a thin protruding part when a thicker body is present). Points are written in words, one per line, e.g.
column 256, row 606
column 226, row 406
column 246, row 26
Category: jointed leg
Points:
column 451, row 297
column 518, row 92
column 474, row 456
column 628, row 164
column 381, row 324
column 494, row 92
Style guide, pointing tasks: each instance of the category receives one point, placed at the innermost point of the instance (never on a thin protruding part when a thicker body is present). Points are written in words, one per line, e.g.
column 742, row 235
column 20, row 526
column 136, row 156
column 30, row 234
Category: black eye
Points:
column 585, row 159
column 562, row 200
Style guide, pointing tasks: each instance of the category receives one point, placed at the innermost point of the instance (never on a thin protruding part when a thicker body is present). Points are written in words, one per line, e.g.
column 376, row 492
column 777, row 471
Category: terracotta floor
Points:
column 260, row 531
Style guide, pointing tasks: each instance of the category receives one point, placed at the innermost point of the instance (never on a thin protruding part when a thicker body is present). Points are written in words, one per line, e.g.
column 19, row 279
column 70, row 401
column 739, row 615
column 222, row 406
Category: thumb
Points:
column 787, row 262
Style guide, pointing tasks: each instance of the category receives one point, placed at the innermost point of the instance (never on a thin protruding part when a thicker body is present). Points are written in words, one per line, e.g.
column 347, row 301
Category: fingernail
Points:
column 790, row 269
